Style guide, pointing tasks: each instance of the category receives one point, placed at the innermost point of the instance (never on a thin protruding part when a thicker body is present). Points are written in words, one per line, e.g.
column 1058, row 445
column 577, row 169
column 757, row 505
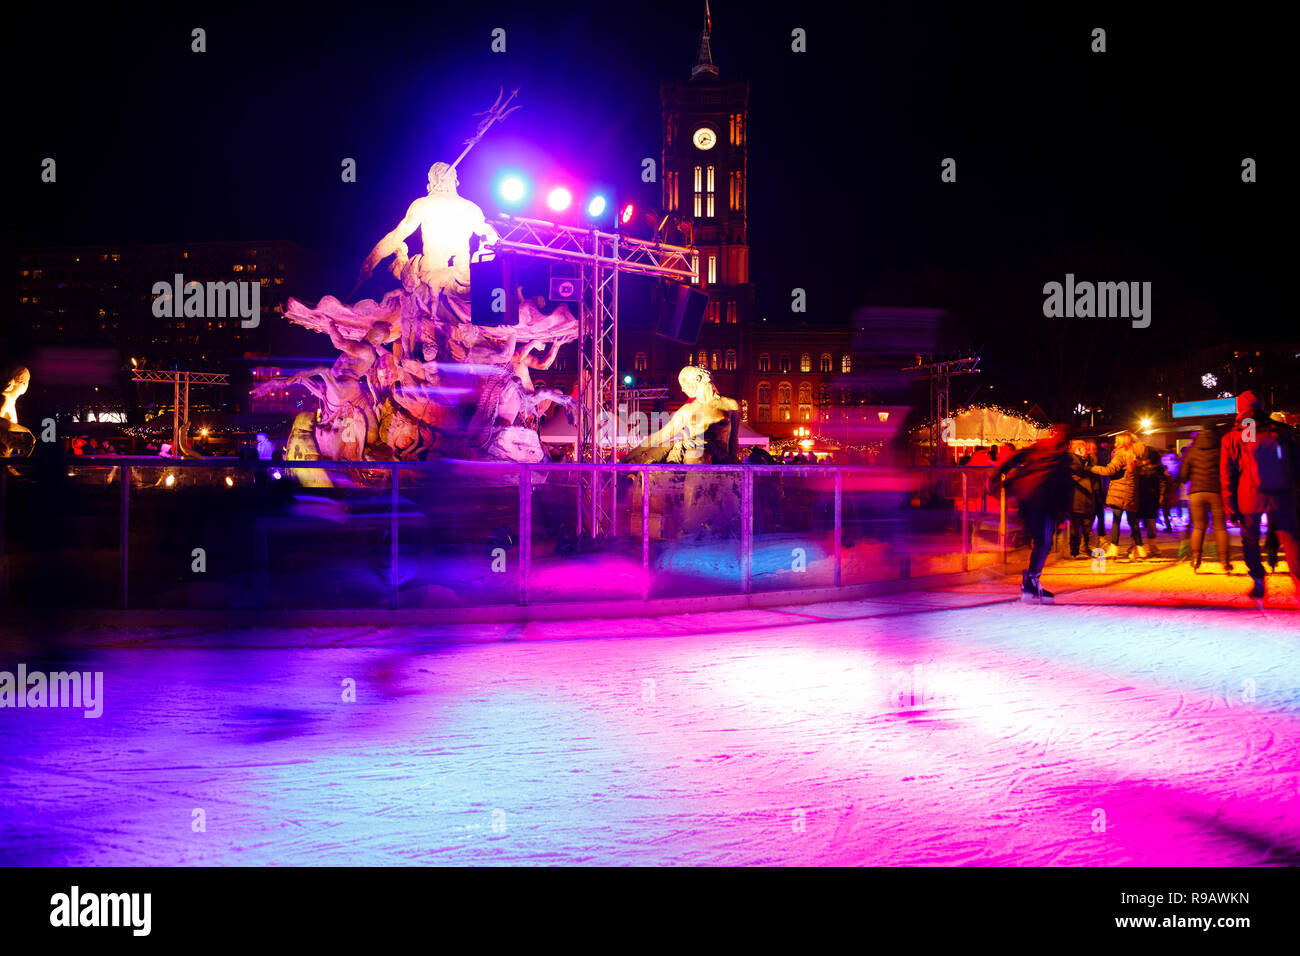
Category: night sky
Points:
column 1116, row 166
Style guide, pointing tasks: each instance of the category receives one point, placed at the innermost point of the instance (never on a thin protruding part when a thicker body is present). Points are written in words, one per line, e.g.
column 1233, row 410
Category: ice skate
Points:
column 1033, row 592
column 1112, row 550
column 1196, row 564
column 1141, row 552
column 1257, row 592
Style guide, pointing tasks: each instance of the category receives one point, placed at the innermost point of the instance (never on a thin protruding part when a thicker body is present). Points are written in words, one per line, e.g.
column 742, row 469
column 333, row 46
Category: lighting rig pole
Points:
column 601, row 257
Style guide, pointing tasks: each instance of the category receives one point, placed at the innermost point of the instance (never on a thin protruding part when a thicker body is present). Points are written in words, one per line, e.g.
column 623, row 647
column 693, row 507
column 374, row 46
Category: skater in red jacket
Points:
column 1259, row 467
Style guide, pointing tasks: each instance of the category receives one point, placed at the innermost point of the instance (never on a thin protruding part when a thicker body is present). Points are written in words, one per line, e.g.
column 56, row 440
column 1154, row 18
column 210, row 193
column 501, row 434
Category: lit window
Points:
column 695, row 263
column 846, row 364
column 713, row 266
column 638, row 364
column 737, row 185
column 805, row 362
column 764, row 362
column 785, row 363
column 716, row 360
column 731, row 360
column 826, row 361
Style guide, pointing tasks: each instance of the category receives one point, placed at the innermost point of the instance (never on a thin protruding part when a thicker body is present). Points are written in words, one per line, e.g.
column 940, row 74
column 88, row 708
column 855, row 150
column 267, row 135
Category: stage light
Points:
column 626, row 216
column 596, row 207
column 559, row 199
column 170, row 480
column 512, row 189
column 627, row 380
column 230, row 482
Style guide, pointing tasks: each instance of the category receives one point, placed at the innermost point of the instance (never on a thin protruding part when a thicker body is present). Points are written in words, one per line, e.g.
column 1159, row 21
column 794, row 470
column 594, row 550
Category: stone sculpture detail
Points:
column 15, row 441
column 414, row 376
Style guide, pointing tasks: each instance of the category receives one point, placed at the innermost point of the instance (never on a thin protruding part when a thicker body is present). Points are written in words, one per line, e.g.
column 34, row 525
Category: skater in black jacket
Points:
column 1039, row 477
column 1200, row 467
column 1083, row 499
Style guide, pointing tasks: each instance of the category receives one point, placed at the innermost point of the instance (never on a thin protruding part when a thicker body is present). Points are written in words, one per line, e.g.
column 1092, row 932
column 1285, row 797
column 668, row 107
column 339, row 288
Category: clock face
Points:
column 704, row 138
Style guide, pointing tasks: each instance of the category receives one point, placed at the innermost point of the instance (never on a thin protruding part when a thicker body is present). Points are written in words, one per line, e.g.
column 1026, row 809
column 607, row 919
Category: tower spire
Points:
column 704, row 54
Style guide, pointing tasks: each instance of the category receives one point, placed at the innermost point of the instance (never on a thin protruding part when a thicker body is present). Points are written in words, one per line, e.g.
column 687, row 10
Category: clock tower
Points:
column 704, row 176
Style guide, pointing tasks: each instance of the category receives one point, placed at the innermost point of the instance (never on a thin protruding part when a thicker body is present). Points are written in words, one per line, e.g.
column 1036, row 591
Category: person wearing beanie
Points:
column 1259, row 466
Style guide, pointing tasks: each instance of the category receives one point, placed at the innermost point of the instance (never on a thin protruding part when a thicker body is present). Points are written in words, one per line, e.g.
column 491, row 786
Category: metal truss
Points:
column 601, row 258
column 180, row 383
column 167, row 377
column 940, row 374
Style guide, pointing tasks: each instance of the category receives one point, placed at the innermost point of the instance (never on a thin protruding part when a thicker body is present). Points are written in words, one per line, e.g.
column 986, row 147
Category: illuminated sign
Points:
column 1211, row 406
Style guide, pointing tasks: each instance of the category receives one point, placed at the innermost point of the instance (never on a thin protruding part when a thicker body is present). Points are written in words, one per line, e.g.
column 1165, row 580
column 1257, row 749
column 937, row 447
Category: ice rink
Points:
column 1149, row 718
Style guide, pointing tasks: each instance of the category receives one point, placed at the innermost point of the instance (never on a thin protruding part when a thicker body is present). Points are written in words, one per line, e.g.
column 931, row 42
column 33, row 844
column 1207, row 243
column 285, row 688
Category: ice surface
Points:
column 1148, row 718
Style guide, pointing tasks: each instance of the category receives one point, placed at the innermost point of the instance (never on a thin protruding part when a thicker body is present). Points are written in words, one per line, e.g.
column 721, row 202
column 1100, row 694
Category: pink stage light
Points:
column 559, row 199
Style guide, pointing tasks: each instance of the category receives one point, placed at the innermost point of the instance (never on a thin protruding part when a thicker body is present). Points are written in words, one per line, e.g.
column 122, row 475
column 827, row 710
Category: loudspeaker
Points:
column 565, row 289
column 682, row 314
column 493, row 285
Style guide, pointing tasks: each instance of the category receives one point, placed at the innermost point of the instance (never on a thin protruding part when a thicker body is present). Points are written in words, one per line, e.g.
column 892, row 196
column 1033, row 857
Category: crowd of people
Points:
column 1246, row 474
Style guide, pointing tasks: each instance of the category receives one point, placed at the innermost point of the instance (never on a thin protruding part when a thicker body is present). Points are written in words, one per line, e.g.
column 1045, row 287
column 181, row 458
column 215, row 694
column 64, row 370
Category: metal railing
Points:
column 921, row 479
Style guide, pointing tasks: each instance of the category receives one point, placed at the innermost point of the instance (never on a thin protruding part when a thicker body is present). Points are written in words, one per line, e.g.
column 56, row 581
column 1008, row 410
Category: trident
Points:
column 493, row 114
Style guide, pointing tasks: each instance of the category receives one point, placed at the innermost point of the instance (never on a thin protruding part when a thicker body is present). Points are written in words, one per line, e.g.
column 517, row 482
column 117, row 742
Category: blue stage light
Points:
column 596, row 207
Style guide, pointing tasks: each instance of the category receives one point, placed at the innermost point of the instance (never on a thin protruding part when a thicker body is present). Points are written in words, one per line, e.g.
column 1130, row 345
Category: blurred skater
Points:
column 1039, row 477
